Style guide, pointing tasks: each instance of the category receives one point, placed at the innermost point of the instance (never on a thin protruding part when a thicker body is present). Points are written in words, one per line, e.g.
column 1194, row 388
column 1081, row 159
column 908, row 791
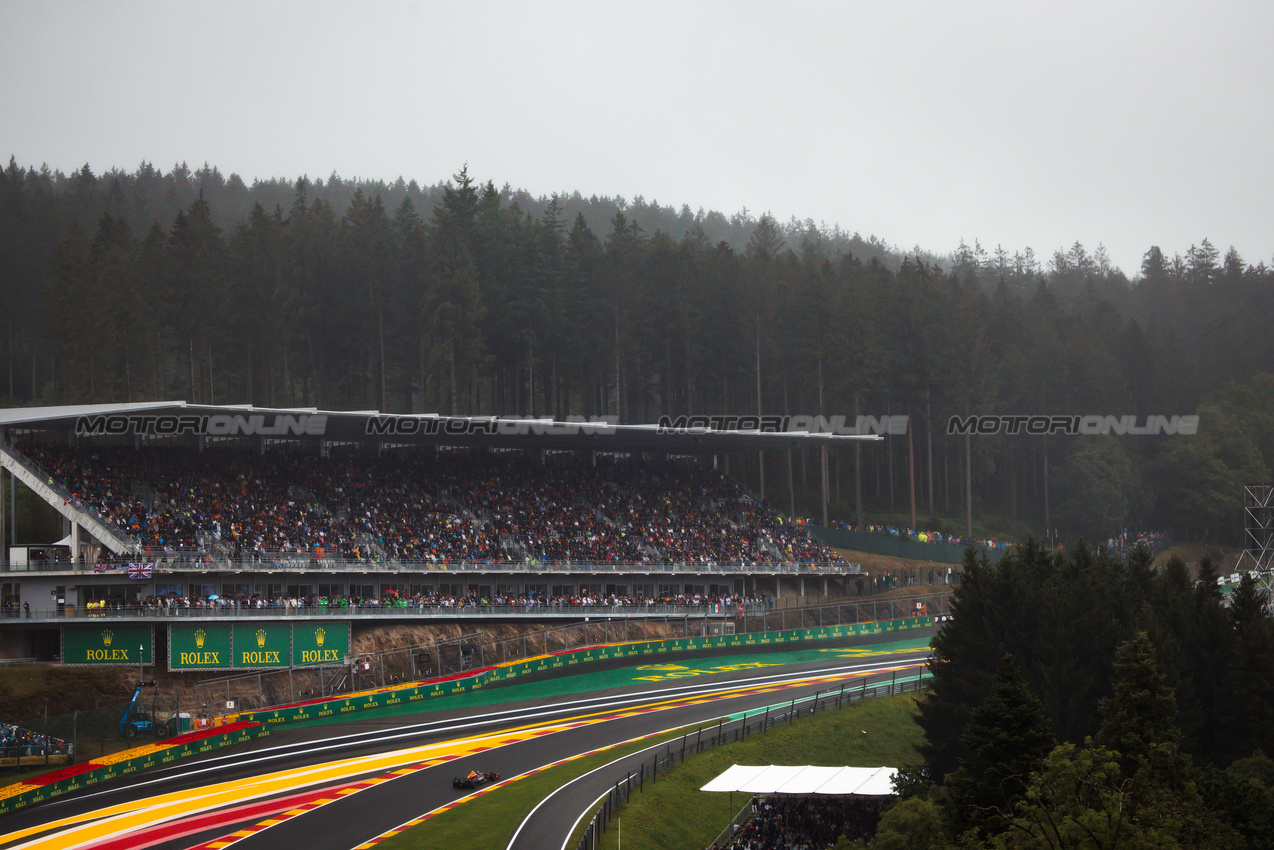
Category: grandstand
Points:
column 168, row 500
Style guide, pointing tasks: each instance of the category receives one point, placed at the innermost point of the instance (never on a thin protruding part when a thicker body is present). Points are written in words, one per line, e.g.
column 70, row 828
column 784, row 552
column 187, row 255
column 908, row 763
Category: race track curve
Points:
column 335, row 787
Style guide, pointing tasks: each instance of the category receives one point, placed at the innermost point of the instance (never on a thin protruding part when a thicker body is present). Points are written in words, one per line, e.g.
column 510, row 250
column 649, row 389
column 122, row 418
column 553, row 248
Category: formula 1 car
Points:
column 474, row 779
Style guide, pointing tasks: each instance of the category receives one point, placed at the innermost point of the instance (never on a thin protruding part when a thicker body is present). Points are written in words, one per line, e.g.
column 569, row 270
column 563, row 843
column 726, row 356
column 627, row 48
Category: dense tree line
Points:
column 467, row 298
column 1088, row 701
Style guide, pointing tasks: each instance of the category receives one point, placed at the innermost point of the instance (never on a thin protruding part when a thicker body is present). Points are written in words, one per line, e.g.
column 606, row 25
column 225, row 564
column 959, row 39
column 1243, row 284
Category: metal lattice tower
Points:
column 1258, row 538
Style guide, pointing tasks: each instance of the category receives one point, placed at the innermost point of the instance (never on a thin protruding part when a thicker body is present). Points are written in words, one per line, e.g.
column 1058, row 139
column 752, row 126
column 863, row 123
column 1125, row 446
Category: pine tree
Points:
column 1139, row 722
column 1008, row 739
column 1248, row 710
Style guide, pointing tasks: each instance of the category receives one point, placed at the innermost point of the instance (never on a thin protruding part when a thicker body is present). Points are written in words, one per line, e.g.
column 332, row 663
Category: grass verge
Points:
column 487, row 822
column 675, row 813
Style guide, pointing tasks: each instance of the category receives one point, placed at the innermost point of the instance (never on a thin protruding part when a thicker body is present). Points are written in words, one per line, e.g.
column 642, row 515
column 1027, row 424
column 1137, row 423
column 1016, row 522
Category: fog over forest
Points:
column 469, row 297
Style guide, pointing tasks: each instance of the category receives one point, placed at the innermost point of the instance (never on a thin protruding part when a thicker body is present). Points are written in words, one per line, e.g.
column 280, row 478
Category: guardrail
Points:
column 696, row 742
column 246, row 725
column 49, row 785
column 477, row 650
column 409, row 692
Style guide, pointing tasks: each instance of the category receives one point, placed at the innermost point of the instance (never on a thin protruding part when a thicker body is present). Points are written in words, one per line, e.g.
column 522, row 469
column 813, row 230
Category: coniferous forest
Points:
column 1088, row 700
column 462, row 297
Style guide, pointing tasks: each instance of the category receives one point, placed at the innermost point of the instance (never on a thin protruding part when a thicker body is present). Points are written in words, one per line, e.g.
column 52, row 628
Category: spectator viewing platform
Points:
column 172, row 501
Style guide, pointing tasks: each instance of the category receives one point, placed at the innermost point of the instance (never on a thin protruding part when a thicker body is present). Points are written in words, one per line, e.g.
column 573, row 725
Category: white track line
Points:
column 342, row 741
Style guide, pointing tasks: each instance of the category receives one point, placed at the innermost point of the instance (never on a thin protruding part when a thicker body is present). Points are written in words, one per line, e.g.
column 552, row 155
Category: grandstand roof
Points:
column 699, row 435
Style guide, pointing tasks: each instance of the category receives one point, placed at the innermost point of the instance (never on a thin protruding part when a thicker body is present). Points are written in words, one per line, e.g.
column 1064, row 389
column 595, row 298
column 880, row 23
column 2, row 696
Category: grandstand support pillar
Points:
column 13, row 508
column 75, row 543
column 760, row 465
column 791, row 488
column 822, row 462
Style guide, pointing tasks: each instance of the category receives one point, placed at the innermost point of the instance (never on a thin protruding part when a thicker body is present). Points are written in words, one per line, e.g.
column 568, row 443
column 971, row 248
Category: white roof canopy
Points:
column 809, row 779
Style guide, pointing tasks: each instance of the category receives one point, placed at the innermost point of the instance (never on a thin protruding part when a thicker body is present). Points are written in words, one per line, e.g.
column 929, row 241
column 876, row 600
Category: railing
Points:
column 439, row 611
column 742, row 816
column 191, row 560
column 696, row 742
column 869, row 609
column 92, row 733
column 124, row 540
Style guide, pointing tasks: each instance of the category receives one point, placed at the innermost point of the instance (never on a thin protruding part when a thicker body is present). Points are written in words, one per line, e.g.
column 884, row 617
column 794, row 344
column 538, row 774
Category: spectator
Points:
column 415, row 507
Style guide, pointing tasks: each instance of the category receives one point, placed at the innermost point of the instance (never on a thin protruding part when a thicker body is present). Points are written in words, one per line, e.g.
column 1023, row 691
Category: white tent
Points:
column 861, row 782
column 732, row 778
column 810, row 779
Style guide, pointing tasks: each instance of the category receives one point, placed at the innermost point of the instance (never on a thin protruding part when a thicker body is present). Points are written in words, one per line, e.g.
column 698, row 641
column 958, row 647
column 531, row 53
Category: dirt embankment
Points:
column 26, row 690
column 1224, row 558
column 876, row 565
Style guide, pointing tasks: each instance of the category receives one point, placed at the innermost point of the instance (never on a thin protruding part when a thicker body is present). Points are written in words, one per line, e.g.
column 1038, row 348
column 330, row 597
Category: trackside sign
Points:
column 257, row 645
column 319, row 644
column 199, row 646
column 108, row 645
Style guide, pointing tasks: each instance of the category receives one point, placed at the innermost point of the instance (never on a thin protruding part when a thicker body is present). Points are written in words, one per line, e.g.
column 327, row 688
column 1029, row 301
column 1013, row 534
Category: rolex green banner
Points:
column 108, row 645
column 319, row 643
column 199, row 646
column 261, row 645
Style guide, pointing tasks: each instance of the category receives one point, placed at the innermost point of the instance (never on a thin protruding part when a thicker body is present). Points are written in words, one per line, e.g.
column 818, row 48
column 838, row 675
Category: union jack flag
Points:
column 139, row 570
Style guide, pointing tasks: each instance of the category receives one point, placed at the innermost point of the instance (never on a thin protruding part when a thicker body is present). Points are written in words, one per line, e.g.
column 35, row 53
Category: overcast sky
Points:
column 1019, row 124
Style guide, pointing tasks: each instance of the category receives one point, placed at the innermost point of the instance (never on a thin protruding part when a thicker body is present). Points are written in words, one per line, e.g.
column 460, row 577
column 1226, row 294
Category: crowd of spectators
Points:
column 1128, row 540
column 16, row 742
column 936, row 538
column 1124, row 542
column 448, row 507
column 805, row 823
column 175, row 605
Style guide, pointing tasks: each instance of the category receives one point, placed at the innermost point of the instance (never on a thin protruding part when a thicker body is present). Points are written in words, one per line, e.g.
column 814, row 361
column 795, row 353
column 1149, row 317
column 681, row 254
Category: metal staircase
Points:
column 43, row 485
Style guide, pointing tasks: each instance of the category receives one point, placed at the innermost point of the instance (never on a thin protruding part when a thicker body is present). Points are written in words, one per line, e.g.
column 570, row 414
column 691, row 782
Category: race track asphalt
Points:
column 383, row 800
